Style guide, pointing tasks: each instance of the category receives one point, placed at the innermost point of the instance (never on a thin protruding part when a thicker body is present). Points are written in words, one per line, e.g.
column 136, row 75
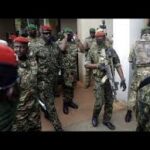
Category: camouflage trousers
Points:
column 46, row 94
column 88, row 76
column 139, row 74
column 68, row 86
column 143, row 116
column 7, row 114
column 103, row 96
column 28, row 117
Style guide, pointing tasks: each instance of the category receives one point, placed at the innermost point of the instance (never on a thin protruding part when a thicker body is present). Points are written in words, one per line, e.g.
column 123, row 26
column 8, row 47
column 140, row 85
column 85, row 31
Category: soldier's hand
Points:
column 128, row 116
column 123, row 85
column 76, row 38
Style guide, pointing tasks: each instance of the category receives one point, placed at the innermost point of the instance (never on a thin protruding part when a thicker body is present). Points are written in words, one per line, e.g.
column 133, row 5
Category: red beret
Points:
column 99, row 34
column 7, row 56
column 21, row 39
column 12, row 37
column 46, row 28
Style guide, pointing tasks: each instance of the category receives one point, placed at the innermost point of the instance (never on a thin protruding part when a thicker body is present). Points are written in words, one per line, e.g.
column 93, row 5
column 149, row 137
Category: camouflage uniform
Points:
column 8, row 110
column 28, row 110
column 143, row 108
column 89, row 41
column 69, row 71
column 141, row 71
column 48, row 57
column 103, row 92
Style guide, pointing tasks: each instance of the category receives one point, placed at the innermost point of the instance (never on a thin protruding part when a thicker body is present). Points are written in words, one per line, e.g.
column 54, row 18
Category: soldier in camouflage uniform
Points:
column 69, row 47
column 28, row 109
column 87, row 45
column 96, row 60
column 143, row 106
column 139, row 57
column 33, row 37
column 9, row 87
column 48, row 56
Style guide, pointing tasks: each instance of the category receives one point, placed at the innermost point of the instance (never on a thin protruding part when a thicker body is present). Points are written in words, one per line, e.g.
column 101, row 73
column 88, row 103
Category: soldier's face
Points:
column 21, row 49
column 100, row 40
column 92, row 34
column 69, row 37
column 46, row 35
column 32, row 33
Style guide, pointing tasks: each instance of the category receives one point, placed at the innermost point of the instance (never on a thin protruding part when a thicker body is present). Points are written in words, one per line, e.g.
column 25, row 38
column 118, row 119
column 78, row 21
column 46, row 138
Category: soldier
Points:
column 69, row 48
column 48, row 56
column 139, row 57
column 96, row 60
column 28, row 109
column 87, row 45
column 9, row 88
column 32, row 33
column 143, row 106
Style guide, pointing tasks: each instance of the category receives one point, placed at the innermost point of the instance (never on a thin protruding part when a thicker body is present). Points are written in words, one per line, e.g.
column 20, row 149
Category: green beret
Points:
column 145, row 29
column 67, row 30
column 32, row 27
column 92, row 30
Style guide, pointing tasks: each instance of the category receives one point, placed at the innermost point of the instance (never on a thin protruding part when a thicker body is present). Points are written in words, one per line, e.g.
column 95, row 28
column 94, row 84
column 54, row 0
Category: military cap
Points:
column 31, row 27
column 67, row 30
column 92, row 30
column 46, row 27
column 21, row 39
column 100, row 34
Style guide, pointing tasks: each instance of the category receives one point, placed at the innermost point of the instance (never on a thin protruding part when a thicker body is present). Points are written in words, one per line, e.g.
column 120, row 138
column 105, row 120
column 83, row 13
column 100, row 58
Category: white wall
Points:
column 121, row 28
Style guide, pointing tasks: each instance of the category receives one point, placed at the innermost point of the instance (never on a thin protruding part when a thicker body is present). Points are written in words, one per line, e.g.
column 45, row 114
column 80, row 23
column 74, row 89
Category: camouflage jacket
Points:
column 139, row 55
column 28, row 84
column 144, row 95
column 96, row 55
column 69, row 57
column 48, row 58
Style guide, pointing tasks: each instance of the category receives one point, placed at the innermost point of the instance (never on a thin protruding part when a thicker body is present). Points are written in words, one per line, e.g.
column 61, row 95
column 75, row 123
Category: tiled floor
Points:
column 80, row 119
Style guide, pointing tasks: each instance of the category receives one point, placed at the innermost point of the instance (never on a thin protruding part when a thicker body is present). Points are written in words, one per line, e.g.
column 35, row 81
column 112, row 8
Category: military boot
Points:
column 60, row 129
column 94, row 121
column 109, row 125
column 65, row 108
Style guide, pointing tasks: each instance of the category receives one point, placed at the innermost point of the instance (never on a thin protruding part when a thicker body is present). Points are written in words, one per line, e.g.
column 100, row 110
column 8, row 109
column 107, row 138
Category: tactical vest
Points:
column 142, row 53
column 99, row 58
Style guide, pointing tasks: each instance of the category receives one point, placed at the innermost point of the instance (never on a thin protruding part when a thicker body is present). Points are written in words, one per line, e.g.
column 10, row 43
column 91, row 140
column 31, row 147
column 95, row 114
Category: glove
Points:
column 102, row 67
column 128, row 116
column 123, row 84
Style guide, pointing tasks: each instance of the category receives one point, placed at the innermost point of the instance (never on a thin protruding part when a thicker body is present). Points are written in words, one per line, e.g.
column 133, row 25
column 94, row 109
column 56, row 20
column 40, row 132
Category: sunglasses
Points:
column 46, row 32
